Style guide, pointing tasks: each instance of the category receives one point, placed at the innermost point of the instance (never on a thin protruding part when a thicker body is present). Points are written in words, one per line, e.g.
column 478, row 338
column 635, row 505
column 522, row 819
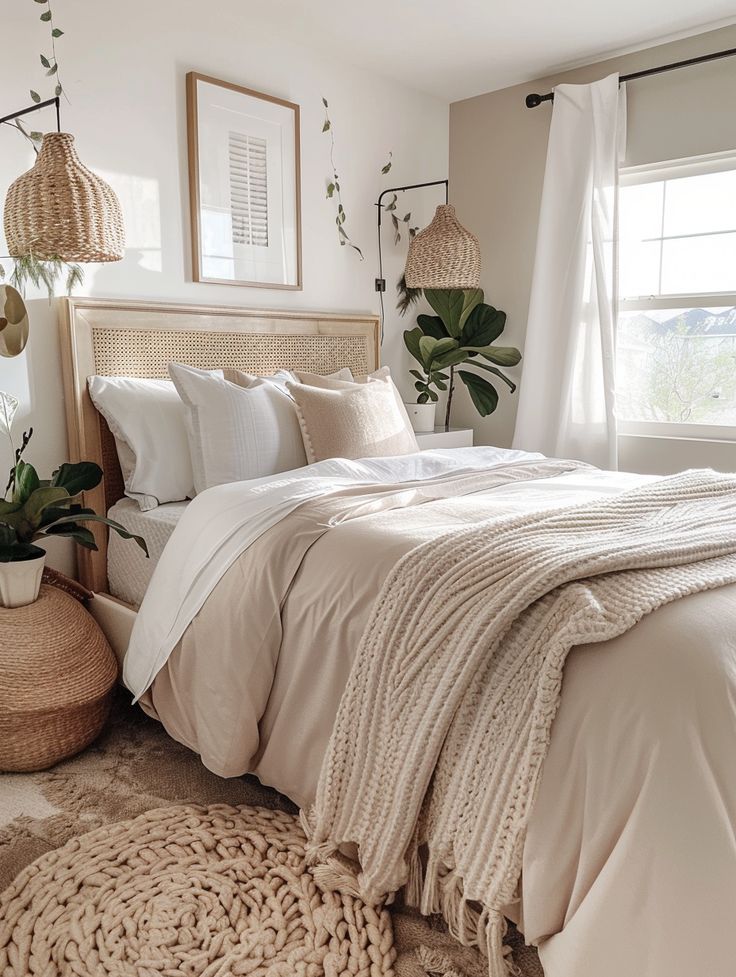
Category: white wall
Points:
column 497, row 155
column 123, row 68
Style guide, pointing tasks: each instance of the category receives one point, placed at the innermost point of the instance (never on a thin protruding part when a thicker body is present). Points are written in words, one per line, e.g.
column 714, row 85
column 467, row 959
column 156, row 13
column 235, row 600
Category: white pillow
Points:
column 236, row 431
column 147, row 419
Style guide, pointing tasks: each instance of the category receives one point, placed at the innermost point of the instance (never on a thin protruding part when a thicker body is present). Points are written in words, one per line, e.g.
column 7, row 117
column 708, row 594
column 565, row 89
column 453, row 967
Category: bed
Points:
column 629, row 856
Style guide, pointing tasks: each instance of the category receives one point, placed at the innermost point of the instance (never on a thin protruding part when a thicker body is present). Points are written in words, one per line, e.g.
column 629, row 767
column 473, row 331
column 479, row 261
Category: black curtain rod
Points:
column 532, row 101
column 34, row 108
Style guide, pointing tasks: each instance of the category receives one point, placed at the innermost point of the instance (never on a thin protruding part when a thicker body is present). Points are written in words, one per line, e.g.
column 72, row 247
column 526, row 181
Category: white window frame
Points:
column 653, row 173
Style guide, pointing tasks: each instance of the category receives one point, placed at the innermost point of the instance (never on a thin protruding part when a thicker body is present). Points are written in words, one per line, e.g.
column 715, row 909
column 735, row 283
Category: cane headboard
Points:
column 111, row 337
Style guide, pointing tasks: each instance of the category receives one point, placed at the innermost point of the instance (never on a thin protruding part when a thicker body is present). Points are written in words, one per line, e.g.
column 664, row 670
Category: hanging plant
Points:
column 29, row 268
column 333, row 188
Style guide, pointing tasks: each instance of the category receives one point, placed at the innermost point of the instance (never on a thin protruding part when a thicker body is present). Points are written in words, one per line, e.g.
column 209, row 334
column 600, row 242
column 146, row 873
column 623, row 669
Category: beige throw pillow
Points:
column 356, row 421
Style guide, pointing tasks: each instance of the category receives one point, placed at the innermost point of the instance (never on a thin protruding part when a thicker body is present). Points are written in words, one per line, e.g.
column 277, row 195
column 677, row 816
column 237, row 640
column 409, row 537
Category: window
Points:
column 249, row 189
column 676, row 338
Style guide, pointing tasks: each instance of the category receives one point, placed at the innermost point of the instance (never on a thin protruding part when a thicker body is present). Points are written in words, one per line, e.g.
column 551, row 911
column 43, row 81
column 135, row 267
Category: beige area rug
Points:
column 133, row 768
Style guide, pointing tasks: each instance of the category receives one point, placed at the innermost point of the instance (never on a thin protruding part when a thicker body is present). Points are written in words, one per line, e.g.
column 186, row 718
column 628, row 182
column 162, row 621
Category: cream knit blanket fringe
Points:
column 445, row 722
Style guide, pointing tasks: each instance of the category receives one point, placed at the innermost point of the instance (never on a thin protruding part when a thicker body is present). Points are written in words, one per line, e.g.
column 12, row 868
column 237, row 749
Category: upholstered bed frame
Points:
column 111, row 337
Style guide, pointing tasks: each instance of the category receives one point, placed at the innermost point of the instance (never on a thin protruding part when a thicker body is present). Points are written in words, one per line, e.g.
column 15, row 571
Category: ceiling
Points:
column 458, row 48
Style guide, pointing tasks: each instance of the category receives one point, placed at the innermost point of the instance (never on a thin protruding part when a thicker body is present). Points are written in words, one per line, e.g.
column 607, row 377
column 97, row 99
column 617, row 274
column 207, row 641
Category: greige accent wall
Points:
column 497, row 156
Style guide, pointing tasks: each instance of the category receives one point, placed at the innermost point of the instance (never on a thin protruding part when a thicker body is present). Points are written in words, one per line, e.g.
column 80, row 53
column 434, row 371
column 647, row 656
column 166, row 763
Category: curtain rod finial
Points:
column 532, row 101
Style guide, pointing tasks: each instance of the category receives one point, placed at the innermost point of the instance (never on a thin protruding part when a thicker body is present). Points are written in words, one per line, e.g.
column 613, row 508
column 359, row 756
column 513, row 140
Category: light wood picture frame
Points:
column 244, row 185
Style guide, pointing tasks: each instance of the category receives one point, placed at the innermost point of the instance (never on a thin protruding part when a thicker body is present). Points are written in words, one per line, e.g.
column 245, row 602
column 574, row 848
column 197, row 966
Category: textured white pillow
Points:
column 237, row 431
column 148, row 421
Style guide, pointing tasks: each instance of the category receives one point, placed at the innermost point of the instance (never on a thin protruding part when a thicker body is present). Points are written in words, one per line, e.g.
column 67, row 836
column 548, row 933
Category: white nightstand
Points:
column 456, row 437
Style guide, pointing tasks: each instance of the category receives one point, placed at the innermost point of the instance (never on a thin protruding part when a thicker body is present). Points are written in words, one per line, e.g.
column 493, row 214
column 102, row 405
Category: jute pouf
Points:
column 187, row 892
column 57, row 672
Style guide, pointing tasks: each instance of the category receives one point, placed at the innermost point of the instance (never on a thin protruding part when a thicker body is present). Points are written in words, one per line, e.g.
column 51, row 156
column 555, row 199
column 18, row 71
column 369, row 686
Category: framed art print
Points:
column 243, row 185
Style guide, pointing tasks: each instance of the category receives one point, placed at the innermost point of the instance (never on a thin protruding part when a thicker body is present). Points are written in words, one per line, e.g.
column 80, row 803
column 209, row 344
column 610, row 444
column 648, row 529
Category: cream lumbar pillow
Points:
column 357, row 420
column 237, row 431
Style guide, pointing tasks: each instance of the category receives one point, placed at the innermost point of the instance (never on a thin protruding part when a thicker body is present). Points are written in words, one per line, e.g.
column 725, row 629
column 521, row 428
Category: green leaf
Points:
column 91, row 517
column 57, row 33
column 385, row 169
column 58, row 90
column 417, row 374
column 52, row 70
column 45, row 61
column 501, row 355
column 492, row 369
column 434, row 397
column 411, row 341
column 35, row 96
column 326, row 126
column 26, row 482
column 483, row 326
column 445, row 345
column 453, row 306
column 427, row 346
column 423, row 398
column 453, row 358
column 330, row 190
column 432, row 325
column 46, row 16
column 33, row 509
column 78, row 533
column 482, row 393
column 324, row 102
column 78, row 477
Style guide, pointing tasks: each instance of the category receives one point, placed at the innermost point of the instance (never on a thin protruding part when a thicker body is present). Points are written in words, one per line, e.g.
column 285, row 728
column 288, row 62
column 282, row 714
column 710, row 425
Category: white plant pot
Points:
column 421, row 416
column 20, row 581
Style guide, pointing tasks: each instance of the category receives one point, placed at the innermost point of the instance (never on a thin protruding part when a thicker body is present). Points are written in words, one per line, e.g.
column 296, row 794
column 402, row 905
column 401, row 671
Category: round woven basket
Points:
column 444, row 254
column 57, row 673
column 60, row 209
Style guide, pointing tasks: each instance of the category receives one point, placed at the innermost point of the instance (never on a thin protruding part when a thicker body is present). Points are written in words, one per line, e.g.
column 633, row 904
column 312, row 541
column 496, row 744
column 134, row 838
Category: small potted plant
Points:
column 461, row 333
column 34, row 509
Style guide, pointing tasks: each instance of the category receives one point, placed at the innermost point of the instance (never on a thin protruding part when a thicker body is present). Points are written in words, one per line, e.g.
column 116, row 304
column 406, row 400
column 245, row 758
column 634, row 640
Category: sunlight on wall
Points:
column 141, row 203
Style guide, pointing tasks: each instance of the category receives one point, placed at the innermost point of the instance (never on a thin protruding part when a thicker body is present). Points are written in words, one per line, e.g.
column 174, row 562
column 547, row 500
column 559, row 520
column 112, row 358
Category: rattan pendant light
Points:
column 444, row 254
column 61, row 209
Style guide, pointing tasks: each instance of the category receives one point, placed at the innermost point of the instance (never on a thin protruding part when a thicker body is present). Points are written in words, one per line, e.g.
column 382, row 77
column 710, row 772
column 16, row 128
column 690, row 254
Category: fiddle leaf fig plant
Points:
column 462, row 332
column 34, row 508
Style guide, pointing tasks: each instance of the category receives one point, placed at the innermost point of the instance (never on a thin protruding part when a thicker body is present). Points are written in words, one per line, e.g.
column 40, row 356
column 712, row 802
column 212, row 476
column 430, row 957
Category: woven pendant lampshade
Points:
column 60, row 209
column 444, row 254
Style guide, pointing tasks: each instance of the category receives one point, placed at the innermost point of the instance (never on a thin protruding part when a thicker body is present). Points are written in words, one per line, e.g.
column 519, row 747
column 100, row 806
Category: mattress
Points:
column 128, row 569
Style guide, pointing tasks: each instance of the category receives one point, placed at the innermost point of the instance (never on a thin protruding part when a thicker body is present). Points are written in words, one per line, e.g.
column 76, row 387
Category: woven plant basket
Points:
column 57, row 673
column 60, row 209
column 444, row 254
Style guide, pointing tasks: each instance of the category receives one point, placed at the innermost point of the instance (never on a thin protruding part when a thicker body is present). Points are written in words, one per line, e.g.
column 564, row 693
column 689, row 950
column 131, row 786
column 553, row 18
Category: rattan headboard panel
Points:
column 138, row 339
column 142, row 353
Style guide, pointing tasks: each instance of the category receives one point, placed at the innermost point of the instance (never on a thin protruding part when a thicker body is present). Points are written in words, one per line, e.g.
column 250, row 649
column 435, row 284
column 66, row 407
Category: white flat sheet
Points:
column 128, row 570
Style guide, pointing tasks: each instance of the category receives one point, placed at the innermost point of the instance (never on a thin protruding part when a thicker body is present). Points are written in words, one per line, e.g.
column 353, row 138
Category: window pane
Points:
column 638, row 268
column 677, row 366
column 699, row 264
column 699, row 204
column 640, row 211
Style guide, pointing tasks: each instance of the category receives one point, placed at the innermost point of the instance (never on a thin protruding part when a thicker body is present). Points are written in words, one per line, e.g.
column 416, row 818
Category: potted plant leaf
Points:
column 35, row 509
column 462, row 332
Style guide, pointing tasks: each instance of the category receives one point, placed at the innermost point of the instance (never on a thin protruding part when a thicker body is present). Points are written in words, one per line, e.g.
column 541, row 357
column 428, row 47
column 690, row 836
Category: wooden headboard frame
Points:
column 129, row 338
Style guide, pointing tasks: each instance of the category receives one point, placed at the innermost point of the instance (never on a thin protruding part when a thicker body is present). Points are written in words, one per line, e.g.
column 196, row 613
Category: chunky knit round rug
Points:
column 187, row 892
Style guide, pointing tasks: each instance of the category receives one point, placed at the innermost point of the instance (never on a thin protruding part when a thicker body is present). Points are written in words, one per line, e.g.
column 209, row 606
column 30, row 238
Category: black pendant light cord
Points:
column 532, row 101
column 34, row 108
column 381, row 281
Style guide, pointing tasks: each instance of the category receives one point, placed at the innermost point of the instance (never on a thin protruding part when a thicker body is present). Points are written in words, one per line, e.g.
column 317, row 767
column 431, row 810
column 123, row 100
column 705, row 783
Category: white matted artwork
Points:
column 244, row 185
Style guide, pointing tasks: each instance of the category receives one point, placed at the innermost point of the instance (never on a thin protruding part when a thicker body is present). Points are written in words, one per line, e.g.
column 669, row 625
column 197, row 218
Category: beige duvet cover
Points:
column 630, row 857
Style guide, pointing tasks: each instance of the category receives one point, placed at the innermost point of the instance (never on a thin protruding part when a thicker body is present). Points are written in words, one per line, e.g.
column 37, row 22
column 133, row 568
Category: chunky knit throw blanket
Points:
column 445, row 722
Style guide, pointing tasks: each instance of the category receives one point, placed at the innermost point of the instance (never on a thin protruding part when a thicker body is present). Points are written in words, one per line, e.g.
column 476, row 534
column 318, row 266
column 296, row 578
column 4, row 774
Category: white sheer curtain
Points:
column 566, row 400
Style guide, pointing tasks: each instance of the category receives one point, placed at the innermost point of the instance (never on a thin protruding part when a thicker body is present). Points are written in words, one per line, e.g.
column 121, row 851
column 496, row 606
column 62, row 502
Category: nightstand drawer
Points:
column 456, row 437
